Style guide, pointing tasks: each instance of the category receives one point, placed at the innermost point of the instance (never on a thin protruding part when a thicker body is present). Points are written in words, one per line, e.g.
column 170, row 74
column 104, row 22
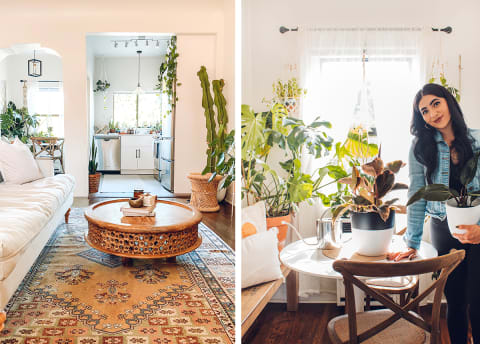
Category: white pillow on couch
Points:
column 17, row 164
column 260, row 262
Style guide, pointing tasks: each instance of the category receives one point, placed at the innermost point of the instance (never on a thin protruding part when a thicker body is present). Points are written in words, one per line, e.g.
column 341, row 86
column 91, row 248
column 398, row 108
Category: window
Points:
column 130, row 111
column 46, row 101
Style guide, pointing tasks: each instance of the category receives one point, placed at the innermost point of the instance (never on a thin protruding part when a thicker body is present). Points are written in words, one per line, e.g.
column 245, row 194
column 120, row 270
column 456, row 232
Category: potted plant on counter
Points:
column 461, row 207
column 219, row 161
column 93, row 175
column 372, row 219
column 282, row 187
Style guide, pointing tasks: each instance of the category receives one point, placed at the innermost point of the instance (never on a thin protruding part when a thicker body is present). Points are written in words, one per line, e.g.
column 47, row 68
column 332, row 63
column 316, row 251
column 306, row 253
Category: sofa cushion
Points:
column 17, row 163
column 25, row 209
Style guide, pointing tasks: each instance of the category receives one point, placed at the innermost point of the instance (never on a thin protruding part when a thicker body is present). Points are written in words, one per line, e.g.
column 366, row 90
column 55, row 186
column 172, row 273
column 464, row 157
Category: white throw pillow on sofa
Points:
column 260, row 262
column 256, row 215
column 17, row 164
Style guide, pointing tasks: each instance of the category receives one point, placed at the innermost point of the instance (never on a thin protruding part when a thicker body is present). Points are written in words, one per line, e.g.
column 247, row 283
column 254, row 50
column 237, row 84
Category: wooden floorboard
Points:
column 308, row 325
column 221, row 222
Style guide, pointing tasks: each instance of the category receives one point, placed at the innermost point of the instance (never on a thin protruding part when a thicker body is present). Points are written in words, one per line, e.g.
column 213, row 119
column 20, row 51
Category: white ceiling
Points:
column 103, row 44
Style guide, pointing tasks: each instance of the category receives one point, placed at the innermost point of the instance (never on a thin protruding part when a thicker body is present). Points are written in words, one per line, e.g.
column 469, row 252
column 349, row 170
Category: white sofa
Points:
column 29, row 214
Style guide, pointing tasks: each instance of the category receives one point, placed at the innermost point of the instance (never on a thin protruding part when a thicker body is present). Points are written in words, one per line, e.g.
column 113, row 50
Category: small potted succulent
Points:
column 372, row 218
column 462, row 207
column 288, row 93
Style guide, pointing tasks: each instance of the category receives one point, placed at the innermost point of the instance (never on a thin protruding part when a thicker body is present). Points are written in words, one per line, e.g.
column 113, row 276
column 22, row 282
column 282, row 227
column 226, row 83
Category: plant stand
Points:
column 204, row 194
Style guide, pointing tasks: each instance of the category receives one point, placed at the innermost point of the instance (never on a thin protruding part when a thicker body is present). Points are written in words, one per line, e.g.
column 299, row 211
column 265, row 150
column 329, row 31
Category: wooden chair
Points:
column 49, row 147
column 386, row 325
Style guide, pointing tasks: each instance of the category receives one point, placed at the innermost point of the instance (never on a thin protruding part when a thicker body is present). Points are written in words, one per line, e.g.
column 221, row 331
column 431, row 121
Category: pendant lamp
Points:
column 138, row 90
column 34, row 67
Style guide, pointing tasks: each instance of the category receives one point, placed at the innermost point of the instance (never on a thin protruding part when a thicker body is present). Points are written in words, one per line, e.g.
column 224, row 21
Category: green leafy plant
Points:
column 220, row 158
column 16, row 122
column 92, row 163
column 289, row 89
column 281, row 188
column 354, row 151
column 440, row 192
column 102, row 86
column 167, row 76
column 368, row 189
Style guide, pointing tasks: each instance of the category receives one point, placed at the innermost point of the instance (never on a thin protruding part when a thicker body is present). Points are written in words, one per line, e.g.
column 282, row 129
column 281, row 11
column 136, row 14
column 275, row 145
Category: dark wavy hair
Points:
column 425, row 149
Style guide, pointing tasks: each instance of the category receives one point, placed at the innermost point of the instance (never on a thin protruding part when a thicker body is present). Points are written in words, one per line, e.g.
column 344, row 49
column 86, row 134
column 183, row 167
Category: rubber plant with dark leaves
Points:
column 441, row 192
column 369, row 188
column 282, row 187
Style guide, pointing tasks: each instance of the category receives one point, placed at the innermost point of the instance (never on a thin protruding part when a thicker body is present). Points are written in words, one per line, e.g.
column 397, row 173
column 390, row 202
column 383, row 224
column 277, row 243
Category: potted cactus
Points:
column 93, row 175
column 219, row 161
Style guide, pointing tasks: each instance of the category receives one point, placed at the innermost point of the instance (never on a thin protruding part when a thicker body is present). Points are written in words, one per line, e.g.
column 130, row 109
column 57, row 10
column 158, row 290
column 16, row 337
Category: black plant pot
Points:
column 371, row 234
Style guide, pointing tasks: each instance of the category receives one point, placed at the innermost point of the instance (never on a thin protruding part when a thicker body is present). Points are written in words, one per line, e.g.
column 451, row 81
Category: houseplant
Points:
column 17, row 122
column 220, row 159
column 102, row 86
column 461, row 207
column 288, row 93
column 167, row 75
column 93, row 175
column 285, row 185
column 372, row 218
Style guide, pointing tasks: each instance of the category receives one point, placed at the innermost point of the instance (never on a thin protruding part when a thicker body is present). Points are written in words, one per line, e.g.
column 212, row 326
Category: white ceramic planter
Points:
column 461, row 216
column 370, row 234
column 221, row 193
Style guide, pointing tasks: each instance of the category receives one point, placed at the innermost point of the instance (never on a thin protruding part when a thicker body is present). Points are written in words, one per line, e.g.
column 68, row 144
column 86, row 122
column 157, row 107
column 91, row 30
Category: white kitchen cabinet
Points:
column 136, row 154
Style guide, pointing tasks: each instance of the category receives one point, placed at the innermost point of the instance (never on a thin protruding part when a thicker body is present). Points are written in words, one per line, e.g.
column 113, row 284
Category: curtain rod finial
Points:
column 284, row 29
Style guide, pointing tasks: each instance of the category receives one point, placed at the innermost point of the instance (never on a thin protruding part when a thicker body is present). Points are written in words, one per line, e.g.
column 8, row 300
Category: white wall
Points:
column 122, row 74
column 17, row 69
column 64, row 27
column 266, row 53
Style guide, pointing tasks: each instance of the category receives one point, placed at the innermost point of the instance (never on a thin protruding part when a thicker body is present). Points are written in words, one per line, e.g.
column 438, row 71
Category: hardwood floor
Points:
column 221, row 222
column 308, row 325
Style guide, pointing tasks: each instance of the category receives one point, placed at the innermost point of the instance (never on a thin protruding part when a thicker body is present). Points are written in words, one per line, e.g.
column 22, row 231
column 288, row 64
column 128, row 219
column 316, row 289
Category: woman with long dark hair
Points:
column 441, row 147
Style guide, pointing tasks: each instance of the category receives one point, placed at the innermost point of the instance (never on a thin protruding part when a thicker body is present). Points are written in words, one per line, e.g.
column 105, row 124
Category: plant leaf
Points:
column 384, row 183
column 468, row 171
column 374, row 167
column 431, row 192
column 399, row 186
column 395, row 166
column 338, row 211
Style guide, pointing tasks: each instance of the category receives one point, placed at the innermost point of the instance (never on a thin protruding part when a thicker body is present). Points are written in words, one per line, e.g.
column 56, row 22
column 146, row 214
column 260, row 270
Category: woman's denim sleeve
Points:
column 416, row 211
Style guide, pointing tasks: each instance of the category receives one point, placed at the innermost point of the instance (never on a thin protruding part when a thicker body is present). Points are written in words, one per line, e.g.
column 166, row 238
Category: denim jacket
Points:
column 418, row 172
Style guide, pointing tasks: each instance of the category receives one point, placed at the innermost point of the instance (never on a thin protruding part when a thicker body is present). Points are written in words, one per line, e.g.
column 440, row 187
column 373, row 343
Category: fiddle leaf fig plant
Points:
column 369, row 188
column 441, row 192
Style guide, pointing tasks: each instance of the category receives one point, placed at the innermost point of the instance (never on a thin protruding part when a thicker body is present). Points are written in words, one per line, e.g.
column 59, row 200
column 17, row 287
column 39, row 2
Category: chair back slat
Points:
column 379, row 269
column 351, row 269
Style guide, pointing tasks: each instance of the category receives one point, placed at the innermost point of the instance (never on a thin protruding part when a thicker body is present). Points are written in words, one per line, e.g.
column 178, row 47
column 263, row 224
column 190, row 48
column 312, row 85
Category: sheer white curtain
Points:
column 331, row 71
column 46, row 100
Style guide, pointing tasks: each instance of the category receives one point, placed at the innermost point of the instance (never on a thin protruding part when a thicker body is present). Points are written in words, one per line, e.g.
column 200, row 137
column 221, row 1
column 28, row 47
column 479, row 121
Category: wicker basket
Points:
column 93, row 182
column 204, row 194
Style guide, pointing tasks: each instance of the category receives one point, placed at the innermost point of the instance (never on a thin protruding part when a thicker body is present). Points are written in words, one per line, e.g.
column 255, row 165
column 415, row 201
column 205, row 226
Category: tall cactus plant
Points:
column 215, row 139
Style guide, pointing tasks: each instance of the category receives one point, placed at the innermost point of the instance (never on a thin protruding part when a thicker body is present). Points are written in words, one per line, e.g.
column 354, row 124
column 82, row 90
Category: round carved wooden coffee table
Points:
column 171, row 232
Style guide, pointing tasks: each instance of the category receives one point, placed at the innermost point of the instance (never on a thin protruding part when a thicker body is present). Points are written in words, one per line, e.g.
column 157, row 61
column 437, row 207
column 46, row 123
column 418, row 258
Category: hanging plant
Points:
column 167, row 76
column 102, row 86
column 443, row 80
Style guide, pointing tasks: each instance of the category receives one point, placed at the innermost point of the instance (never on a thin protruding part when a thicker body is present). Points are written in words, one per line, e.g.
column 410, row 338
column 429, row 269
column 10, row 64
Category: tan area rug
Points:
column 76, row 294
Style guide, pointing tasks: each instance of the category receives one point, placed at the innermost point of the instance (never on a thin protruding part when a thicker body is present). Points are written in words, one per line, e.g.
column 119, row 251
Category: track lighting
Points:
column 116, row 44
column 135, row 41
column 126, row 44
column 158, row 44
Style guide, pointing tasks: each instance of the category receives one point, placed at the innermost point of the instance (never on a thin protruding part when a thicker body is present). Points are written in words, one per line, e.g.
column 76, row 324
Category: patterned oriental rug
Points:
column 75, row 294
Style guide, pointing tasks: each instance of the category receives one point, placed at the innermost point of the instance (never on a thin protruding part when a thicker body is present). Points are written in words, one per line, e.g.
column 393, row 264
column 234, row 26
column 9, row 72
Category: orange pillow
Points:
column 248, row 229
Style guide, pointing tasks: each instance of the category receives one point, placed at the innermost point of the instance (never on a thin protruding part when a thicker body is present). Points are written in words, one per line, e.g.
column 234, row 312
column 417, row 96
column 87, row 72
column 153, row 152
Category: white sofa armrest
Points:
column 46, row 166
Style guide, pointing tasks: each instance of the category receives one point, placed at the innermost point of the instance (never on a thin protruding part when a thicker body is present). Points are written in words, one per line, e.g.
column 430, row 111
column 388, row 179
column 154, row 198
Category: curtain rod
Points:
column 43, row 81
column 447, row 29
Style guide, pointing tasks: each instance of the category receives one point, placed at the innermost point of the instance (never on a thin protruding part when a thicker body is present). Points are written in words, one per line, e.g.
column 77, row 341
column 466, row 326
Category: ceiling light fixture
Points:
column 138, row 90
column 34, row 67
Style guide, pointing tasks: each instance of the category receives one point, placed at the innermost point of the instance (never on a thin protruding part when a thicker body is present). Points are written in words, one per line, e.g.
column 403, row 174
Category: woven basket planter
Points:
column 93, row 182
column 204, row 194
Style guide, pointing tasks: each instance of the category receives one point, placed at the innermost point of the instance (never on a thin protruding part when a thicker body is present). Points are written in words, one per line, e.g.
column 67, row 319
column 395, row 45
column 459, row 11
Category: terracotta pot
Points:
column 93, row 182
column 204, row 194
column 282, row 229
